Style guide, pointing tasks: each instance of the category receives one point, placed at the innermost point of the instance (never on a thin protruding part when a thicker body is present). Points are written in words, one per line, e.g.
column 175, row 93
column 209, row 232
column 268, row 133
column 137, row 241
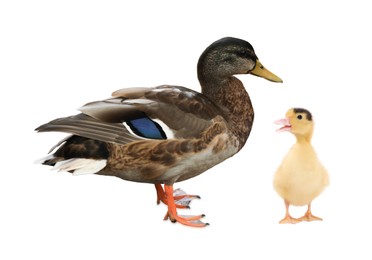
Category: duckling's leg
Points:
column 308, row 215
column 193, row 221
column 182, row 200
column 288, row 219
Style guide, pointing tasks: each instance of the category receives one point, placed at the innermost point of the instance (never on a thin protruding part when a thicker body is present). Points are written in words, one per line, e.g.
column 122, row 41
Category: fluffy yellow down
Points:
column 301, row 177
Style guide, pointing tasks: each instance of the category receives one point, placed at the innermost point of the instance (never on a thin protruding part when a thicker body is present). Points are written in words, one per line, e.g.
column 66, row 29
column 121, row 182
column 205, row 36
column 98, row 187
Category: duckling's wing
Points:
column 136, row 113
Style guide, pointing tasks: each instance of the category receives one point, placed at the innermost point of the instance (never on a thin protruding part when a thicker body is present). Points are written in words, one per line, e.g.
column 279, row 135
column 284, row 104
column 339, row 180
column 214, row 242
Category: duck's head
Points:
column 230, row 56
column 299, row 122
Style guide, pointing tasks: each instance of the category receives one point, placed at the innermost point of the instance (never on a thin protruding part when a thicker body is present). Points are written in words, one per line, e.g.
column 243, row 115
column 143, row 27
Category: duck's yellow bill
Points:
column 262, row 72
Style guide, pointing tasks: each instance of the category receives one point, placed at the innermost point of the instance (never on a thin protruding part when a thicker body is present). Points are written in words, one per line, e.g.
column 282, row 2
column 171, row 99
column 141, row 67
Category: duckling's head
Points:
column 299, row 122
column 230, row 56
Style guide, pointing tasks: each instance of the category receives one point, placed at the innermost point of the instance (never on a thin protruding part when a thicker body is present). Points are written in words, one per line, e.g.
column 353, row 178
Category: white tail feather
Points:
column 44, row 159
column 59, row 143
column 80, row 166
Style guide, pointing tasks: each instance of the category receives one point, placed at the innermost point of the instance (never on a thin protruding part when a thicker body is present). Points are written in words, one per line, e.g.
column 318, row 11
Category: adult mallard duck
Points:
column 300, row 177
column 165, row 134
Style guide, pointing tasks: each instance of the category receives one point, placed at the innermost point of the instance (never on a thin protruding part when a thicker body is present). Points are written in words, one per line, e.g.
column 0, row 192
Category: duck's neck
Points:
column 230, row 95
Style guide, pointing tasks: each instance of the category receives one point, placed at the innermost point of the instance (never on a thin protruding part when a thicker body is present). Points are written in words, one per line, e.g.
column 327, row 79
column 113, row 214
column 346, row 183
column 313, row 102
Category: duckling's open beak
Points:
column 286, row 125
column 262, row 72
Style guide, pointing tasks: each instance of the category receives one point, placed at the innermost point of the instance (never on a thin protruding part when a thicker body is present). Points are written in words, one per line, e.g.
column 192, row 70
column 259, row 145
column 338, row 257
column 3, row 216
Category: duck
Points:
column 301, row 177
column 166, row 134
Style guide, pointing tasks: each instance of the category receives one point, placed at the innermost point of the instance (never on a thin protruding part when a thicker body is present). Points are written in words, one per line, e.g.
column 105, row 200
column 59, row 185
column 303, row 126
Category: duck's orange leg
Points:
column 182, row 200
column 192, row 221
column 160, row 194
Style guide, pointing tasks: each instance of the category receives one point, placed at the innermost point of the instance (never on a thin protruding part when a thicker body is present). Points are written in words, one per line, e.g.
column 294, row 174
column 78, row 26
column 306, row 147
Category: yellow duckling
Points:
column 301, row 177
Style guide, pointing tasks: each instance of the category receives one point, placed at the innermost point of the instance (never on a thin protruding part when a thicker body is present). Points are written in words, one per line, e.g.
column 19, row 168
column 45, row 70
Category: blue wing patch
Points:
column 147, row 128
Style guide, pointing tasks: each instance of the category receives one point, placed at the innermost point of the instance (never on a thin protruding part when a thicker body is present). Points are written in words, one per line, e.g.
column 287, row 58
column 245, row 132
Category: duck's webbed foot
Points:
column 182, row 200
column 188, row 220
column 178, row 199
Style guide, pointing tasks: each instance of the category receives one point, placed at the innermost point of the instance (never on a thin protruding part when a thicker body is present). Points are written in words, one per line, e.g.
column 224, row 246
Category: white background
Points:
column 56, row 56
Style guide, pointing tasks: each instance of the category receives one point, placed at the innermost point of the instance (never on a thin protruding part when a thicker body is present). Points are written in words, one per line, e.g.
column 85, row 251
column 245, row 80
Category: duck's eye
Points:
column 243, row 53
column 299, row 117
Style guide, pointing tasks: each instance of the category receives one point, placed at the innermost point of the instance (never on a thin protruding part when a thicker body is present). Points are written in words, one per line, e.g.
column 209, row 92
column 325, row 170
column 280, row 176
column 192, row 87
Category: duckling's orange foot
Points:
column 289, row 220
column 192, row 221
column 309, row 217
column 181, row 198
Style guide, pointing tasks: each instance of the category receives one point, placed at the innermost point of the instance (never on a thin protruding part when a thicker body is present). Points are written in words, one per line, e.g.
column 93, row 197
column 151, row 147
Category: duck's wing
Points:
column 86, row 126
column 136, row 113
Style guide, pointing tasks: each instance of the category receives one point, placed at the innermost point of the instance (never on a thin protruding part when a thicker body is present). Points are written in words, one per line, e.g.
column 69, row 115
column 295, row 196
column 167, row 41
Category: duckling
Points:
column 165, row 134
column 301, row 177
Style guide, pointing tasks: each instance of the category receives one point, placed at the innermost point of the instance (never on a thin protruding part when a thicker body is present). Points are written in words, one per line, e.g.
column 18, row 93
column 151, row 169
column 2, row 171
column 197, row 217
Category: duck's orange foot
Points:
column 178, row 199
column 182, row 200
column 192, row 221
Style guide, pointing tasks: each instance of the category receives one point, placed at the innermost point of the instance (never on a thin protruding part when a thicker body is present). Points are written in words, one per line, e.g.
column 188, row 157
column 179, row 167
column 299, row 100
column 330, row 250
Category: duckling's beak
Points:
column 286, row 125
column 262, row 72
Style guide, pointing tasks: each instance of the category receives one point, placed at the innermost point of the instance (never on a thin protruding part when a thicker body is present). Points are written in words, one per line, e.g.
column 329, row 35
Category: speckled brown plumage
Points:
column 233, row 97
column 152, row 160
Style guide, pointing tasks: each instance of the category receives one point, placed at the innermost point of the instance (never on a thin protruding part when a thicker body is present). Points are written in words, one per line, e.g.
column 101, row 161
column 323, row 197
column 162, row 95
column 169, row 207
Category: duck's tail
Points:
column 74, row 155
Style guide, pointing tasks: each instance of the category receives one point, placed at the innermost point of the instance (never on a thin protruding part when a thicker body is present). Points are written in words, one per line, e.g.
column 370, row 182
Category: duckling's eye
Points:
column 299, row 117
